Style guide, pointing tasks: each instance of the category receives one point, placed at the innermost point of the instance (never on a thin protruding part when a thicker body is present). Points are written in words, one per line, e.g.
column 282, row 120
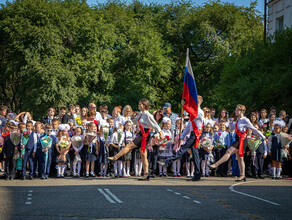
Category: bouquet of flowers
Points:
column 77, row 141
column 286, row 139
column 162, row 143
column 219, row 145
column 267, row 133
column 120, row 133
column 205, row 142
column 105, row 131
column 46, row 142
column 25, row 137
column 1, row 144
column 63, row 143
column 253, row 142
column 78, row 120
column 89, row 137
column 15, row 138
column 284, row 153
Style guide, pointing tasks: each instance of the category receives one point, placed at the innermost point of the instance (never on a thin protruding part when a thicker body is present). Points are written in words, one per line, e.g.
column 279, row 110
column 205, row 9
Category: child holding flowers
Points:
column 128, row 136
column 275, row 147
column 117, row 141
column 11, row 150
column 165, row 149
column 221, row 141
column 77, row 143
column 63, row 144
column 47, row 151
column 206, row 144
column 91, row 145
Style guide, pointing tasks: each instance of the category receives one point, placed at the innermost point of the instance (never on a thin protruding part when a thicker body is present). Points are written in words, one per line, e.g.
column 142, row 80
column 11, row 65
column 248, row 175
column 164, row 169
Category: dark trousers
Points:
column 46, row 165
column 27, row 157
column 38, row 161
column 222, row 168
column 257, row 169
column 183, row 149
column 152, row 159
column 10, row 167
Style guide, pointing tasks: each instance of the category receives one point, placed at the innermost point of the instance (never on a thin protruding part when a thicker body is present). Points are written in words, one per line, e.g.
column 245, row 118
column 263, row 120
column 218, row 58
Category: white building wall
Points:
column 279, row 11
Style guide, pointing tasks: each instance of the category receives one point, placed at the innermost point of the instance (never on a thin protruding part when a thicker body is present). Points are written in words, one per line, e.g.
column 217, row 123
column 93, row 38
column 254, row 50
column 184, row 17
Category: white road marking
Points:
column 231, row 188
column 106, row 196
column 113, row 196
column 29, row 195
column 169, row 190
column 177, row 193
column 186, row 197
column 195, row 201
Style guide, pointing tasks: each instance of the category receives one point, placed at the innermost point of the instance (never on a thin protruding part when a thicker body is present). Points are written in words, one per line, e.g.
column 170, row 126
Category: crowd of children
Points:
column 77, row 143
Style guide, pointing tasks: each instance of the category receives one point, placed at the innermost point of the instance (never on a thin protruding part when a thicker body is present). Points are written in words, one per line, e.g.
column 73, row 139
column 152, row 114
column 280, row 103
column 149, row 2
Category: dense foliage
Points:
column 53, row 53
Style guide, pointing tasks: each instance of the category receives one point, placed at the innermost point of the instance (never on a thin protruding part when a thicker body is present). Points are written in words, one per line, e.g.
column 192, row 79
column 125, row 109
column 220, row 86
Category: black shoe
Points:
column 261, row 177
column 30, row 178
column 23, row 178
column 256, row 177
column 241, row 180
column 194, row 179
column 145, row 179
column 165, row 175
column 153, row 175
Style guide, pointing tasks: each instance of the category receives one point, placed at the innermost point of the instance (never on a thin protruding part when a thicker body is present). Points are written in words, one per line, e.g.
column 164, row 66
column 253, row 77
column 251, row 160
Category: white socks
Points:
column 128, row 171
column 279, row 172
column 140, row 167
column 78, row 169
column 59, row 169
column 120, row 167
column 63, row 167
column 176, row 167
column 116, row 168
column 273, row 169
column 188, row 168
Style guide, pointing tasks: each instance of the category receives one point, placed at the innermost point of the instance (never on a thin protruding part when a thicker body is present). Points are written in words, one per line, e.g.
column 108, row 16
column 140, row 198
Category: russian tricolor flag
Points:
column 190, row 90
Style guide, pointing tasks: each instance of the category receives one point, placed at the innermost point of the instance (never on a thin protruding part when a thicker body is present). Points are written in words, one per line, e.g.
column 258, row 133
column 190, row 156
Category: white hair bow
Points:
column 165, row 119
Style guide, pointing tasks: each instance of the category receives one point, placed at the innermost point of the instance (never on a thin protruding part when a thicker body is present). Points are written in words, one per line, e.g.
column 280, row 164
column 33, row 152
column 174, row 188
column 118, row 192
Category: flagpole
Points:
column 182, row 109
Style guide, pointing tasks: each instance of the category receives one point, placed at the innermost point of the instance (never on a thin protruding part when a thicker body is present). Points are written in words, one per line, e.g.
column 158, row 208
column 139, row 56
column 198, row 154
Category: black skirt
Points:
column 138, row 140
column 236, row 143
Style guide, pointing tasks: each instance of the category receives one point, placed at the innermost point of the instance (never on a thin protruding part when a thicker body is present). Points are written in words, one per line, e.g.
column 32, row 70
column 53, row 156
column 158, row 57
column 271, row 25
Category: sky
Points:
column 260, row 6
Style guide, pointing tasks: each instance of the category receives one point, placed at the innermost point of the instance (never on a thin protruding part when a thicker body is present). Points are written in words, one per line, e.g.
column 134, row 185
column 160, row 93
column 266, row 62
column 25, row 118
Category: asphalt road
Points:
column 160, row 198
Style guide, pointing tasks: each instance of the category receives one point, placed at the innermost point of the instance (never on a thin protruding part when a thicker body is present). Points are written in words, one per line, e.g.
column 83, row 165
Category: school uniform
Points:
column 91, row 150
column 224, row 139
column 38, row 159
column 47, row 120
column 115, row 140
column 46, row 165
column 30, row 148
column 10, row 161
column 276, row 147
column 258, row 165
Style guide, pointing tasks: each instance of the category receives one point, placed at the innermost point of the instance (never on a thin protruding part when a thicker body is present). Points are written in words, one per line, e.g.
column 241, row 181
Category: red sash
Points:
column 144, row 136
column 241, row 136
column 197, row 133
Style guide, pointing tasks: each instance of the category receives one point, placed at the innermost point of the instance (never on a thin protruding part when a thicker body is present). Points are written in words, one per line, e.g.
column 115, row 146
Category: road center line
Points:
column 177, row 193
column 231, row 188
column 186, row 197
column 195, row 201
column 113, row 196
column 169, row 190
column 106, row 196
